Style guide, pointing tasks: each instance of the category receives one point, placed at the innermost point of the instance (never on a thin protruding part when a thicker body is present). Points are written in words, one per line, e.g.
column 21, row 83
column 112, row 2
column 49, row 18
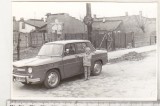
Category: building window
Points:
column 23, row 25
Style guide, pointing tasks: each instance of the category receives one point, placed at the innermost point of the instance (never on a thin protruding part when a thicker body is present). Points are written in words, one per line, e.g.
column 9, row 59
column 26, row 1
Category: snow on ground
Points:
column 125, row 79
column 119, row 53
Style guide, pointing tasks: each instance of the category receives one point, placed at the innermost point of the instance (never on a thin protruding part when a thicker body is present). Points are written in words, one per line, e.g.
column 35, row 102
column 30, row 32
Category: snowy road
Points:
column 126, row 79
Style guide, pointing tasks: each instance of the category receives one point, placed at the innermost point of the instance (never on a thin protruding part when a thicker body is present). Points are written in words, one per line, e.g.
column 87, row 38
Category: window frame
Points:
column 65, row 49
column 77, row 47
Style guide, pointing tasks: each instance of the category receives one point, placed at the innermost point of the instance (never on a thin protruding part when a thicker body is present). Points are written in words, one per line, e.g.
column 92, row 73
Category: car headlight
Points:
column 29, row 70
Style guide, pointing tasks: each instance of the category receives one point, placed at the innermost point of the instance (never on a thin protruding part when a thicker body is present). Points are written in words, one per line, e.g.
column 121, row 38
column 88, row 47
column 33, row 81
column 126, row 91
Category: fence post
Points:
column 125, row 40
column 75, row 37
column 113, row 35
column 133, row 40
column 29, row 40
column 64, row 36
column 83, row 36
column 36, row 34
column 44, row 38
column 18, row 47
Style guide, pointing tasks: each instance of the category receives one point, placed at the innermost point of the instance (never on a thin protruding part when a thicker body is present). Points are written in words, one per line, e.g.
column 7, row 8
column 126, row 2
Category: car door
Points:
column 70, row 64
column 94, row 55
column 80, row 50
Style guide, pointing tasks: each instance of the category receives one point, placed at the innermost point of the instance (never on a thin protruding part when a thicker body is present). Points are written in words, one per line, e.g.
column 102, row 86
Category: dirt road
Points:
column 125, row 79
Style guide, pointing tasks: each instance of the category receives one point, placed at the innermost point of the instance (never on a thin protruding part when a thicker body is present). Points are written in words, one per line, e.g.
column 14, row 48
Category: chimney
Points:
column 126, row 13
column 21, row 19
column 95, row 16
column 48, row 14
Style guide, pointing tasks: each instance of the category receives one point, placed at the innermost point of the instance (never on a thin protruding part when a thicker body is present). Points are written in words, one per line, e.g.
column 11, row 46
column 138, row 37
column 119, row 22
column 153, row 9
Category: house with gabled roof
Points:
column 27, row 26
column 106, row 25
column 140, row 29
column 24, row 28
column 133, row 23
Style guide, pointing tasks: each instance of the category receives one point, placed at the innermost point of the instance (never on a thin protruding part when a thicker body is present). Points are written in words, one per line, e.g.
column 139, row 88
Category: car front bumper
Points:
column 27, row 79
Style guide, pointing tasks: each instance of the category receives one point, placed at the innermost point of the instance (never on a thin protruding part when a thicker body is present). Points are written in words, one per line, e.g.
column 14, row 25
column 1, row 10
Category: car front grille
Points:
column 20, row 70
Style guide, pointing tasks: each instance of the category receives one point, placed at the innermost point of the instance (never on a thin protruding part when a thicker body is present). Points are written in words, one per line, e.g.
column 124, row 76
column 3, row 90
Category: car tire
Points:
column 97, row 68
column 52, row 79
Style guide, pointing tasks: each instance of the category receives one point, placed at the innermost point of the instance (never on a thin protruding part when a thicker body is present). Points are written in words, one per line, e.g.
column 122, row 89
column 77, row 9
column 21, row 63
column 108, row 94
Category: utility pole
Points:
column 88, row 20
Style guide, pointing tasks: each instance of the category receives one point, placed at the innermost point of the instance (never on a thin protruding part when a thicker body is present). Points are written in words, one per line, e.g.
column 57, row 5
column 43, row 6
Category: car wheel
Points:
column 97, row 68
column 52, row 79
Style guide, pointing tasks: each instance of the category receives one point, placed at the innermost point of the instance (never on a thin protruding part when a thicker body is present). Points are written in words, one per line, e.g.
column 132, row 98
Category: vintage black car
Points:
column 56, row 61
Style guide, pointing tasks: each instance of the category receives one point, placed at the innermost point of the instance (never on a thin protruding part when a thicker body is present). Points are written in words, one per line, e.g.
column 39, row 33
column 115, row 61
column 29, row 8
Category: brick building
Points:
column 59, row 26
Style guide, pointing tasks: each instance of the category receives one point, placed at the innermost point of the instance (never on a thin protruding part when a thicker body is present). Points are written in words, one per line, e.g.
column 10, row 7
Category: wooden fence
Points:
column 23, row 40
column 105, row 40
column 75, row 36
column 36, row 39
column 114, row 41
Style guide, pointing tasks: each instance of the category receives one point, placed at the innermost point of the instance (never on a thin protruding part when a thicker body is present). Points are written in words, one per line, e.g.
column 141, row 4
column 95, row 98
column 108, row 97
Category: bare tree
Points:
column 141, row 23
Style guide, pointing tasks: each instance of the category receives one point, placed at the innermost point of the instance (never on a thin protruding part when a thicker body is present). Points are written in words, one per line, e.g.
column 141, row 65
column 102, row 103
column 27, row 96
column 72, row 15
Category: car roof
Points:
column 67, row 41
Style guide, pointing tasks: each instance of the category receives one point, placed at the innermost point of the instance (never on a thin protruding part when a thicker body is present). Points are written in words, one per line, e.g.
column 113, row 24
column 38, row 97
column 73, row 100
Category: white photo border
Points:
column 112, row 99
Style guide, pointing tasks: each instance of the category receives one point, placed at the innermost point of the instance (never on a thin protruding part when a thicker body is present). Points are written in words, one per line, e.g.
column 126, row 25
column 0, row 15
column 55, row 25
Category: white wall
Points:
column 28, row 28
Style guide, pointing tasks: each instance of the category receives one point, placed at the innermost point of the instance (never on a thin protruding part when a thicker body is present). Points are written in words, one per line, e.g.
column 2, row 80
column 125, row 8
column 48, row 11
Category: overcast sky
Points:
column 38, row 10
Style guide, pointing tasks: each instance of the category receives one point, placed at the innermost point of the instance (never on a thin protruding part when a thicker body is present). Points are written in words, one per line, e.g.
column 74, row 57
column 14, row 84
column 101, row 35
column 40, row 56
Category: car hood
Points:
column 36, row 61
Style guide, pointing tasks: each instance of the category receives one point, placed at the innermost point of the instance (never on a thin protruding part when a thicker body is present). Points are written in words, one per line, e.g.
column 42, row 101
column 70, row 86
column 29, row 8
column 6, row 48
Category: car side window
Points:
column 80, row 47
column 69, row 49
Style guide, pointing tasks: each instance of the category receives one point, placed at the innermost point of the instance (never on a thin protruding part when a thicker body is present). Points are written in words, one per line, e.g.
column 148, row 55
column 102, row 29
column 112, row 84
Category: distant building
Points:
column 133, row 23
column 106, row 25
column 25, row 28
column 140, row 27
column 61, row 24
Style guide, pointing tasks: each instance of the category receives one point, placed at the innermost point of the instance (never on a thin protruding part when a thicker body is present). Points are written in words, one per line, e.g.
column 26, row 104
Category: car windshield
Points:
column 51, row 50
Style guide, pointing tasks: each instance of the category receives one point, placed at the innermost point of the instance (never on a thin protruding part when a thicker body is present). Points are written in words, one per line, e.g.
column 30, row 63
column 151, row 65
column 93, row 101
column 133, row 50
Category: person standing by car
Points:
column 87, row 63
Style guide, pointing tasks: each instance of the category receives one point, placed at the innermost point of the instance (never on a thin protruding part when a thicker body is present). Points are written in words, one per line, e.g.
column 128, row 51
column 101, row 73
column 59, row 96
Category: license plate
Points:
column 21, row 79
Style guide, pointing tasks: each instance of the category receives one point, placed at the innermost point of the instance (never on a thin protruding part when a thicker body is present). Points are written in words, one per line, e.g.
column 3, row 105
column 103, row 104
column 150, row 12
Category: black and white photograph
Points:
column 84, row 50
